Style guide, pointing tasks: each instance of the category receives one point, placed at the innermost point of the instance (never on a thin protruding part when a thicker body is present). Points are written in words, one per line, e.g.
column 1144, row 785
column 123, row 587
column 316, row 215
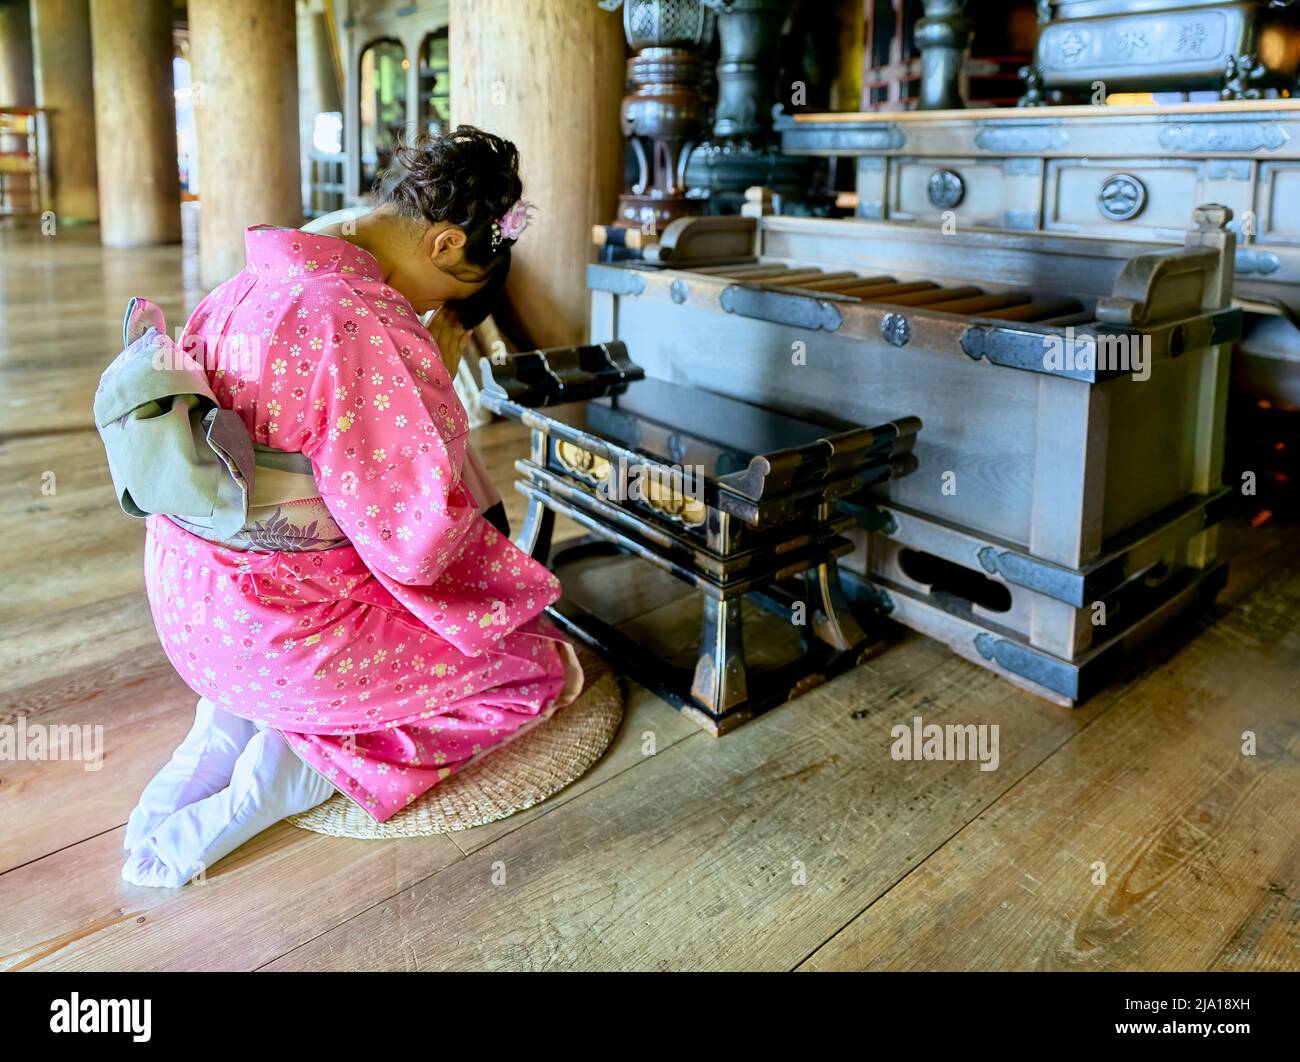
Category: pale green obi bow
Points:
column 174, row 451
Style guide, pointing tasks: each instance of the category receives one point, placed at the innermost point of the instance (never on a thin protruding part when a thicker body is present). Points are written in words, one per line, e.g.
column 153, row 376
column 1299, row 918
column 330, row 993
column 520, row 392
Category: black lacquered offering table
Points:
column 732, row 499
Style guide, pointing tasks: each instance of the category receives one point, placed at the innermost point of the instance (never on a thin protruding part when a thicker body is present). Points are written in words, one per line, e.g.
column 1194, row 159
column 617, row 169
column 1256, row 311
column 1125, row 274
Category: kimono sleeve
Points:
column 389, row 440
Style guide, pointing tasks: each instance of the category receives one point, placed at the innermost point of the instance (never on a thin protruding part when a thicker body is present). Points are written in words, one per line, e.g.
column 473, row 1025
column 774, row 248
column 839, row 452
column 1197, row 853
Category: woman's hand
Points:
column 449, row 337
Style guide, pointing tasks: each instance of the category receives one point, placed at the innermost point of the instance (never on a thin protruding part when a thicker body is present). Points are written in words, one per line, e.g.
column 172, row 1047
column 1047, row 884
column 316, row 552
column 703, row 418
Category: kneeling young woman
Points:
column 375, row 633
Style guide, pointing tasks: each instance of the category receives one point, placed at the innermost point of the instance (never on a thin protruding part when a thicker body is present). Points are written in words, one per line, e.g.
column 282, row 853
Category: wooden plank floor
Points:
column 1130, row 834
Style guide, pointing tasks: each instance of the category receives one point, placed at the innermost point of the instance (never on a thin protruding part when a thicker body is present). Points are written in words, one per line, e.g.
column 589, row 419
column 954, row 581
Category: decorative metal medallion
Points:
column 1121, row 196
column 1071, row 46
column 660, row 493
column 582, row 463
column 946, row 189
column 896, row 329
column 661, row 497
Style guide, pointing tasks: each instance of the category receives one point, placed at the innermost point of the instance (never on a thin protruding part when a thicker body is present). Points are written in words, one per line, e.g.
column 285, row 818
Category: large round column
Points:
column 17, row 78
column 65, row 88
column 551, row 80
column 318, row 86
column 245, row 71
column 135, row 123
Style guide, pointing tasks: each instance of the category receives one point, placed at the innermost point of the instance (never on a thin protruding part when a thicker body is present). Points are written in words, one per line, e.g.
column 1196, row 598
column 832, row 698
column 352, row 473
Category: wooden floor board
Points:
column 49, row 805
column 694, row 860
column 1149, row 842
column 285, row 886
column 649, row 727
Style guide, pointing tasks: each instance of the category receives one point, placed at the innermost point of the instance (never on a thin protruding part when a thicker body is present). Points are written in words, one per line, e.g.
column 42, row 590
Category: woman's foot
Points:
column 201, row 765
column 269, row 783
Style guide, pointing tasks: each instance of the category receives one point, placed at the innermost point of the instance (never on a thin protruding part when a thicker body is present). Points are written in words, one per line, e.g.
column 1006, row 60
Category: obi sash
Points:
column 285, row 509
column 172, row 450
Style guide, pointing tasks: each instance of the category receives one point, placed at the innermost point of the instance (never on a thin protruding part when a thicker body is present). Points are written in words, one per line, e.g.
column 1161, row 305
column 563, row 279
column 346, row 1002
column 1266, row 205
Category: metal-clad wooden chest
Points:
column 1119, row 172
column 1048, row 467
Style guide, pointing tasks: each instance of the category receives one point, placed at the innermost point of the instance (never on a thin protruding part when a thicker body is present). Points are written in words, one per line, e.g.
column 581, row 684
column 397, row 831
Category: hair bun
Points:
column 467, row 177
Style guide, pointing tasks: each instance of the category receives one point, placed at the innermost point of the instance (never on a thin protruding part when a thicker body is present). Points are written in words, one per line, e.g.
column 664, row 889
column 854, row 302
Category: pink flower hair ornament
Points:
column 511, row 224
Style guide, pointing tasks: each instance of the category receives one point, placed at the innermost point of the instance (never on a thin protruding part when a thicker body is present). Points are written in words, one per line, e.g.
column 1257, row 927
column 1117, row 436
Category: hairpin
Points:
column 511, row 224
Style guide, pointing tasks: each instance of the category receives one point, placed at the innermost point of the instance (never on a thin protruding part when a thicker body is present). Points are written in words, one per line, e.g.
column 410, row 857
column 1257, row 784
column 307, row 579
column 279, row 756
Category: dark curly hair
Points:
column 468, row 178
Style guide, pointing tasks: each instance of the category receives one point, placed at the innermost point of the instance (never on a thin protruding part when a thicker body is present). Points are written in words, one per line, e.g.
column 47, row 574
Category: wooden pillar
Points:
column 413, row 125
column 135, row 123
column 318, row 87
column 318, row 82
column 551, row 81
column 17, row 85
column 245, row 69
column 65, row 87
column 17, row 77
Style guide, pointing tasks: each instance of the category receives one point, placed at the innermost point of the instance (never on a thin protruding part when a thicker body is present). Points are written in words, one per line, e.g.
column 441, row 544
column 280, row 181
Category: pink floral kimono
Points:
column 402, row 636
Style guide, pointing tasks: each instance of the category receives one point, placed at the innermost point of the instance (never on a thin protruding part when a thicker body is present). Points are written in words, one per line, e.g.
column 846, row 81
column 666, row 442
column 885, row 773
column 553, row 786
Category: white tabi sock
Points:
column 201, row 765
column 269, row 783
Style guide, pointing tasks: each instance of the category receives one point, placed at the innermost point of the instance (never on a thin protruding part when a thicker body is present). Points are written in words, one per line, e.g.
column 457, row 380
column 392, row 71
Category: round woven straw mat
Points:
column 512, row 777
